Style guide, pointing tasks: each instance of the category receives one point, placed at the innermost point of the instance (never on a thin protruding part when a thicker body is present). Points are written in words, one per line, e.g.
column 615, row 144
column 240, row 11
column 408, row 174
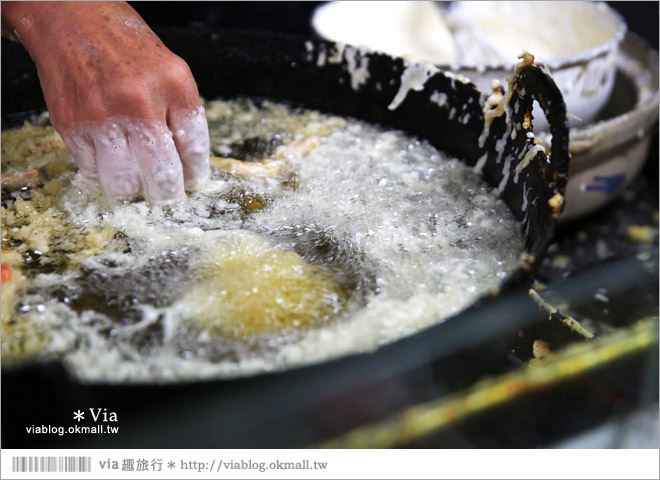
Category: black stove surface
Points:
column 594, row 271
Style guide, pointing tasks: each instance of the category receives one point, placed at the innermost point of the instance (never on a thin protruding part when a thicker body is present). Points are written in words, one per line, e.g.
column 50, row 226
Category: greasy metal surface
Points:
column 305, row 407
column 288, row 68
column 281, row 67
column 420, row 421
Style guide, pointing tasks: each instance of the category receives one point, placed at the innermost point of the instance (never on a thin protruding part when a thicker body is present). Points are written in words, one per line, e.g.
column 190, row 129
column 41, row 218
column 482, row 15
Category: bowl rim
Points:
column 636, row 52
column 554, row 63
column 564, row 61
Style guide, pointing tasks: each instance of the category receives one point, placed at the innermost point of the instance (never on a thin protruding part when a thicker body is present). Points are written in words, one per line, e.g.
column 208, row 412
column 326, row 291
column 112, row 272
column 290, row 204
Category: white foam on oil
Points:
column 423, row 234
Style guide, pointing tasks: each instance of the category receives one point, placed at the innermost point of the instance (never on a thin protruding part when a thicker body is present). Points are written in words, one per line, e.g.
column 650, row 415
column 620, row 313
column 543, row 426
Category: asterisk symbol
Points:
column 78, row 415
column 171, row 464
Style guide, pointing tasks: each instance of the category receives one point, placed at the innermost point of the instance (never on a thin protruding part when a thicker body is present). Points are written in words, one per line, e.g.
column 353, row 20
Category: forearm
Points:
column 84, row 41
column 18, row 19
column 29, row 22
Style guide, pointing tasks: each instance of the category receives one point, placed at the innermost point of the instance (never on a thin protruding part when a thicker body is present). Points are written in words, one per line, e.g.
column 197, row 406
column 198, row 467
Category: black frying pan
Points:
column 230, row 63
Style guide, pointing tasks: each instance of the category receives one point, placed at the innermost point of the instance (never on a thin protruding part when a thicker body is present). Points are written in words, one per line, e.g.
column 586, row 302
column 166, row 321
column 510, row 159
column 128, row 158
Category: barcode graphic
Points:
column 51, row 464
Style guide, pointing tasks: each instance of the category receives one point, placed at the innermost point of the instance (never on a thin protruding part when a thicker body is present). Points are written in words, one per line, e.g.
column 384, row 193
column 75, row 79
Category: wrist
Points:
column 30, row 23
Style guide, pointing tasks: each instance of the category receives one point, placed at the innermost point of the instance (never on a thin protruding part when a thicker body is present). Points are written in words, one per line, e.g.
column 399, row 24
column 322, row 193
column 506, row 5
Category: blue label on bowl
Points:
column 606, row 184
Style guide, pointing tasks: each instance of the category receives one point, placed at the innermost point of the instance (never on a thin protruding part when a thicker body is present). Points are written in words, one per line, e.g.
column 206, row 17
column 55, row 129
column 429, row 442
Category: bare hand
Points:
column 125, row 105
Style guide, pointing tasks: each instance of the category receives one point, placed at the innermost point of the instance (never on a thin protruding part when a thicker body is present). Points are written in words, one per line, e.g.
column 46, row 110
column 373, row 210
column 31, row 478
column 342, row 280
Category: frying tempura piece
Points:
column 270, row 167
column 248, row 169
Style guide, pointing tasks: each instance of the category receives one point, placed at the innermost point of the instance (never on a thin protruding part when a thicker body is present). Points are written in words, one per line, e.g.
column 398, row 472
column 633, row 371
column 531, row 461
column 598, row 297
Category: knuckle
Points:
column 178, row 71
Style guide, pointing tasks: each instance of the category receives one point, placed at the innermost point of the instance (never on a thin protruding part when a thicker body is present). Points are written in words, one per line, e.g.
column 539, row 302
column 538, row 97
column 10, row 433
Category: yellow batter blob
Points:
column 250, row 287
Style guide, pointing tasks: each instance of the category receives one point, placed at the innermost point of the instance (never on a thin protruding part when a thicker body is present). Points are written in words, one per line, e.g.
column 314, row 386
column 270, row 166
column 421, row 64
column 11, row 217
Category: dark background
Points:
column 294, row 17
column 642, row 17
column 234, row 411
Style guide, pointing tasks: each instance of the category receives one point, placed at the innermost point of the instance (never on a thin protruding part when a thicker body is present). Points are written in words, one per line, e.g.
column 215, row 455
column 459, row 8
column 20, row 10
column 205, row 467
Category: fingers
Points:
column 128, row 158
column 191, row 137
column 81, row 146
column 118, row 169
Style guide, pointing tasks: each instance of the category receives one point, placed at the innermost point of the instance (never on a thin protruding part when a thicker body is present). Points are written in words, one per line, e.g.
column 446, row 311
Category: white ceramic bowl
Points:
column 607, row 154
column 578, row 41
column 610, row 87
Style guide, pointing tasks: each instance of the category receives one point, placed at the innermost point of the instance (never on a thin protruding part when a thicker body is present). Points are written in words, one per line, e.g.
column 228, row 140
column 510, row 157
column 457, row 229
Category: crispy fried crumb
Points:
column 541, row 351
column 555, row 314
column 641, row 233
column 556, row 201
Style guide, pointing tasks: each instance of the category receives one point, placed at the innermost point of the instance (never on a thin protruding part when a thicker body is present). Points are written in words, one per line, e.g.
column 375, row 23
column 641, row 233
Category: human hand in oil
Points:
column 127, row 108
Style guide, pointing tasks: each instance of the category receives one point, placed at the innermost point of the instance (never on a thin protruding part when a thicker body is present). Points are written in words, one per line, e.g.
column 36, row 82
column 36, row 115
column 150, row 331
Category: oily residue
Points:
column 358, row 238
